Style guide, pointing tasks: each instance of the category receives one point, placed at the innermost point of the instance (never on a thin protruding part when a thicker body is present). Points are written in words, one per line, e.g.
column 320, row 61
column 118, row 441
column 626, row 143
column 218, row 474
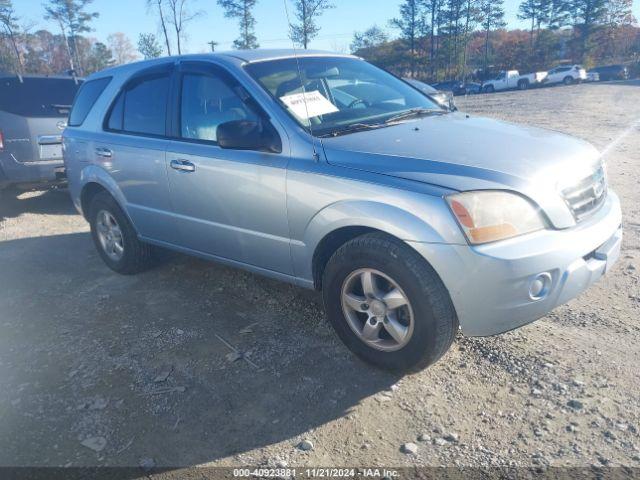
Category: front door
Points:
column 227, row 203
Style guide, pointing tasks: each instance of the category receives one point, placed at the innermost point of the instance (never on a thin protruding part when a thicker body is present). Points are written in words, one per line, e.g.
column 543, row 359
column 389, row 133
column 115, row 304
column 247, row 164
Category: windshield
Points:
column 339, row 92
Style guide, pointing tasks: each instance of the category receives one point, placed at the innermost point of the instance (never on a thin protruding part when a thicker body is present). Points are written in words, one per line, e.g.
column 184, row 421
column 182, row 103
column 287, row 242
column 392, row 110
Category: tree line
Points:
column 457, row 39
column 436, row 39
column 71, row 49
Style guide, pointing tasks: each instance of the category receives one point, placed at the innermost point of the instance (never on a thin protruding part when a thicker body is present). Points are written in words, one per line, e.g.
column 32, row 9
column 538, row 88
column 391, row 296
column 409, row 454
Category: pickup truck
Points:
column 510, row 79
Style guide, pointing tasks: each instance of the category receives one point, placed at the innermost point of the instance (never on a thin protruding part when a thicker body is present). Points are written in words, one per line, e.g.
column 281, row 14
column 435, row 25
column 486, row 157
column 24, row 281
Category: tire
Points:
column 429, row 318
column 489, row 89
column 523, row 84
column 568, row 80
column 136, row 256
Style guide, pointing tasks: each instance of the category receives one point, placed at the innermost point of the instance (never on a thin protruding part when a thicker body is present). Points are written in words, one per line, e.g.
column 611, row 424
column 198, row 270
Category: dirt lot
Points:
column 99, row 369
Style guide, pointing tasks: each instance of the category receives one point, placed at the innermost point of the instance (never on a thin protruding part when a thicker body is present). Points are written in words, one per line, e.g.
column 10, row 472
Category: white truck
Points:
column 510, row 79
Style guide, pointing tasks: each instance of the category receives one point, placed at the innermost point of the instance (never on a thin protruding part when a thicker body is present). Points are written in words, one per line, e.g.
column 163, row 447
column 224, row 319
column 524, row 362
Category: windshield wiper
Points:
column 414, row 112
column 354, row 127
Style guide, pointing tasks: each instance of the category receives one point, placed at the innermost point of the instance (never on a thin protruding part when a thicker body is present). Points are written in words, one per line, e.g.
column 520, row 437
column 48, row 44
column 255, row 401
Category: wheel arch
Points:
column 94, row 181
column 339, row 223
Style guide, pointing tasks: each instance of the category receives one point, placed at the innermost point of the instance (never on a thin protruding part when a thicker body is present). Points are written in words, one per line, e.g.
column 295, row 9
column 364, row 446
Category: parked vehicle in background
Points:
column 511, row 79
column 33, row 114
column 443, row 98
column 454, row 86
column 592, row 76
column 567, row 74
column 322, row 170
column 472, row 88
column 611, row 72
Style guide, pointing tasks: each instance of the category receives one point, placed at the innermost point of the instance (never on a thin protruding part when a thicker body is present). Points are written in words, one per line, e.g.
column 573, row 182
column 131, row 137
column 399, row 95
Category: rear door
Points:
column 228, row 203
column 132, row 149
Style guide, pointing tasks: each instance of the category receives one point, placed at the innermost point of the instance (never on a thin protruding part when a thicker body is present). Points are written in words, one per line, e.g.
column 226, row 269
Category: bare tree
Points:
column 158, row 5
column 121, row 48
column 179, row 16
column 72, row 20
column 9, row 22
column 242, row 10
column 306, row 12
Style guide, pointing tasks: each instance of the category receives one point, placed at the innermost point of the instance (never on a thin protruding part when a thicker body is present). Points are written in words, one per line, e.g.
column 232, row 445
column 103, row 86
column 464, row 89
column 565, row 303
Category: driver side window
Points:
column 207, row 101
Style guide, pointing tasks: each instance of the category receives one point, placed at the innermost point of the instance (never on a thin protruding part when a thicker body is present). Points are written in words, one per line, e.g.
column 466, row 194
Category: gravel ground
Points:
column 193, row 363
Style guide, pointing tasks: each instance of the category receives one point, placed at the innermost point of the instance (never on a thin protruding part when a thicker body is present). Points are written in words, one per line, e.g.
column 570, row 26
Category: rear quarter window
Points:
column 85, row 100
column 37, row 97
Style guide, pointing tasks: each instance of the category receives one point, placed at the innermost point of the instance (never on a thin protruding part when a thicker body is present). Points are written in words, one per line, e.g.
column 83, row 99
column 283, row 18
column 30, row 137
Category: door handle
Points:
column 104, row 152
column 182, row 166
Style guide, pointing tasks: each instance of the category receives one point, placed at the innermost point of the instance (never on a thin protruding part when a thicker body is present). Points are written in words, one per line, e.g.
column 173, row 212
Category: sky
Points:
column 337, row 25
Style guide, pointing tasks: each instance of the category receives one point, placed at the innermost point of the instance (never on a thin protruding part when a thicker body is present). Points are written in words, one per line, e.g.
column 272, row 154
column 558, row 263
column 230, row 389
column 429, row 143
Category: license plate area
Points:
column 51, row 151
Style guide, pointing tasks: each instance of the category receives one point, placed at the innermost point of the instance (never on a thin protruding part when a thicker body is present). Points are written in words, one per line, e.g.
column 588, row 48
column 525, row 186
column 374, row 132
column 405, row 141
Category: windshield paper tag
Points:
column 316, row 104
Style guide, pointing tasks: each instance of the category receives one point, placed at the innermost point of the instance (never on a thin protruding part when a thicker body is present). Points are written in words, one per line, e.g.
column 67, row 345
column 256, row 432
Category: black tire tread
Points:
column 138, row 255
column 435, row 293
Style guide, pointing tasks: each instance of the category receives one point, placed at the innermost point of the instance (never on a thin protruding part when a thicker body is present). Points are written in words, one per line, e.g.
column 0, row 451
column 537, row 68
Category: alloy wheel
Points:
column 377, row 309
column 110, row 235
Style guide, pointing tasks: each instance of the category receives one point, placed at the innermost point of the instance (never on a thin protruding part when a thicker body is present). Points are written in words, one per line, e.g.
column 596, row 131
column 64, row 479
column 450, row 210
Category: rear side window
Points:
column 37, row 97
column 142, row 107
column 85, row 100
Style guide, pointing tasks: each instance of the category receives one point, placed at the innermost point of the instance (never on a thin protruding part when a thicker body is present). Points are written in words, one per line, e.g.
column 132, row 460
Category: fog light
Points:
column 540, row 286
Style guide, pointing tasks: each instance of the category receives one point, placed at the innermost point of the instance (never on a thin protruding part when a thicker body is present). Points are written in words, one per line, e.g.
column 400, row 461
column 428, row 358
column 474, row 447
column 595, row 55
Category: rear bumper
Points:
column 36, row 173
column 490, row 285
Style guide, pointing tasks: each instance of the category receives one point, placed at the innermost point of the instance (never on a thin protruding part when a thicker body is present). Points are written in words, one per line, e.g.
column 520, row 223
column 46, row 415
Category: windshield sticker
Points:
column 316, row 104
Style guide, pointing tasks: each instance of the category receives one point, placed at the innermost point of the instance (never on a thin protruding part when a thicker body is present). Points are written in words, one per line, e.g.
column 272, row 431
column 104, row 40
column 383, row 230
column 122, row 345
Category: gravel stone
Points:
column 96, row 444
column 409, row 448
column 306, row 445
column 575, row 404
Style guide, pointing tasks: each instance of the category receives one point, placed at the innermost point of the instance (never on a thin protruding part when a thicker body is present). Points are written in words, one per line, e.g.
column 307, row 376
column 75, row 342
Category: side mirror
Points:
column 248, row 135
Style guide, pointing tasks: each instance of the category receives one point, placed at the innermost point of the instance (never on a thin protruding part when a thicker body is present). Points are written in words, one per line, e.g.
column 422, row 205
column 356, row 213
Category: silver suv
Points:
column 327, row 172
column 33, row 114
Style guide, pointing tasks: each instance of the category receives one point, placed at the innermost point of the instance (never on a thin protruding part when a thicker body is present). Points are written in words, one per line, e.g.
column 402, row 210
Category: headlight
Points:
column 490, row 215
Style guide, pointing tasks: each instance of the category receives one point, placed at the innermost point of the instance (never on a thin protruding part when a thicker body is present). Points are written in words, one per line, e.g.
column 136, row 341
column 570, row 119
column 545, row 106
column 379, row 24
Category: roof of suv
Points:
column 249, row 56
column 261, row 55
column 6, row 75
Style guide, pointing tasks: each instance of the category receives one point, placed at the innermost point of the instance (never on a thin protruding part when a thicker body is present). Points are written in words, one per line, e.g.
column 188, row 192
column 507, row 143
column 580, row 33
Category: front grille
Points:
column 587, row 195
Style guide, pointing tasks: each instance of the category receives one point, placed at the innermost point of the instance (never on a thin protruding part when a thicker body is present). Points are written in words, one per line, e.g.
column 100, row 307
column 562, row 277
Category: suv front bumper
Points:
column 491, row 285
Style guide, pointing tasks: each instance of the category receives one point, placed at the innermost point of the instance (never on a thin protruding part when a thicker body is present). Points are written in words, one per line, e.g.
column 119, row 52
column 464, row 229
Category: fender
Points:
column 430, row 222
column 96, row 174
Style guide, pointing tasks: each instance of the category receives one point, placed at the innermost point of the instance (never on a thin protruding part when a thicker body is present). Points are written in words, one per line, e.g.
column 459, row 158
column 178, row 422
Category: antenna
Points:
column 316, row 156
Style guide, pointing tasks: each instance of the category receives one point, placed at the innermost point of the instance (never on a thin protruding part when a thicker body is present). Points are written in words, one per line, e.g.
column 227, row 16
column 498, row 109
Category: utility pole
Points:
column 213, row 45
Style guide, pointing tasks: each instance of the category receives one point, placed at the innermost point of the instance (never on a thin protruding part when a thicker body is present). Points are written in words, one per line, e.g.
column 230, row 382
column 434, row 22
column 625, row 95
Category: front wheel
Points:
column 568, row 80
column 489, row 89
column 387, row 304
column 523, row 84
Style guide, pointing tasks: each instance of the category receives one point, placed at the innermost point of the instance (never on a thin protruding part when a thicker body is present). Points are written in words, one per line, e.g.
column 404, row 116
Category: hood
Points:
column 460, row 152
